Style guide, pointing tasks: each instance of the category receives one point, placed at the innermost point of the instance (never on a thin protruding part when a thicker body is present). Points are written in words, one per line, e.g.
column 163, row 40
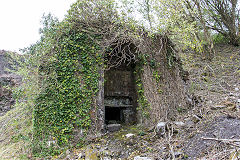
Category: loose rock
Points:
column 161, row 128
column 113, row 127
column 142, row 158
column 178, row 154
column 189, row 123
column 68, row 152
column 179, row 124
column 129, row 135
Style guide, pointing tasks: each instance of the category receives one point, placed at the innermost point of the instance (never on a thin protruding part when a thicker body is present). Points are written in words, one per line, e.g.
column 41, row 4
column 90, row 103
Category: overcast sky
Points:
column 20, row 20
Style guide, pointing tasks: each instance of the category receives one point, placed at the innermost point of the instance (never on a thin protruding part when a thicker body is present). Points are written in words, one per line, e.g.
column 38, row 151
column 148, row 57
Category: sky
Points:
column 20, row 20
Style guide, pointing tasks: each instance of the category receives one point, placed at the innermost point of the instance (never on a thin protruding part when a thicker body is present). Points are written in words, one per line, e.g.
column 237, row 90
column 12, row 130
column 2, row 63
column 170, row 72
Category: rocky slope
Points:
column 7, row 80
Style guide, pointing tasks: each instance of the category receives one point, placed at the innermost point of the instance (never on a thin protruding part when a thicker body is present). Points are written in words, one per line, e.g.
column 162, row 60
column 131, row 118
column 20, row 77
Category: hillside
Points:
column 125, row 79
column 15, row 118
column 215, row 115
column 7, row 79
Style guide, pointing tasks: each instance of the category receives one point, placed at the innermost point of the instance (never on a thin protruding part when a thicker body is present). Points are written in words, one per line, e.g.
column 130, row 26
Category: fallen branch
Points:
column 170, row 134
column 228, row 141
column 218, row 139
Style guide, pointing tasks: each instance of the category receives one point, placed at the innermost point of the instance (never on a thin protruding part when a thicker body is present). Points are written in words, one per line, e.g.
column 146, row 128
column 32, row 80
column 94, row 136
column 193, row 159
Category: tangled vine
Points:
column 73, row 51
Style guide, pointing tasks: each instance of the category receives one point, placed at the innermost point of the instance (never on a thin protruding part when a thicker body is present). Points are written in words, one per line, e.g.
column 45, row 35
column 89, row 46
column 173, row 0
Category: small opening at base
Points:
column 113, row 115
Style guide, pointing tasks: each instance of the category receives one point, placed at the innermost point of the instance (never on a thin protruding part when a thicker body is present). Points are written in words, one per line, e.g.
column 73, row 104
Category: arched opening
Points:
column 120, row 98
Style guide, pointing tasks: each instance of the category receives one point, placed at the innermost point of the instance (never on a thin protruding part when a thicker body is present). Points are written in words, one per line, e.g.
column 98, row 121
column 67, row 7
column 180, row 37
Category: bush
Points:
column 219, row 39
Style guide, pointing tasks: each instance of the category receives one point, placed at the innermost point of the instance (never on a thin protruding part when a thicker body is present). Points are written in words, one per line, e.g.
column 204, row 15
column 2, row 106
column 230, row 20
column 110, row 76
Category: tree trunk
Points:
column 208, row 46
column 234, row 39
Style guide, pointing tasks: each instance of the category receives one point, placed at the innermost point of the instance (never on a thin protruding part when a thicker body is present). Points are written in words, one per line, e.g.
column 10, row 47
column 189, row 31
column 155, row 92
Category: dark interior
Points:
column 113, row 115
column 120, row 98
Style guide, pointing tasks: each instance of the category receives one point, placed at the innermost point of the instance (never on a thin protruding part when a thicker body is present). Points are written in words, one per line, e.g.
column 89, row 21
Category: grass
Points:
column 15, row 133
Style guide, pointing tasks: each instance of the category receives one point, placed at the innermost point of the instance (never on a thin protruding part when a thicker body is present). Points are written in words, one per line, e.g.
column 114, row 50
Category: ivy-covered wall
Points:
column 70, row 63
column 71, row 82
column 161, row 89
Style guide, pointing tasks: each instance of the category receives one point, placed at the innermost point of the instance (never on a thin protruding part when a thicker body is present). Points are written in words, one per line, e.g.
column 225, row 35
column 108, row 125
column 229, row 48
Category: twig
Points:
column 228, row 141
column 169, row 142
column 218, row 139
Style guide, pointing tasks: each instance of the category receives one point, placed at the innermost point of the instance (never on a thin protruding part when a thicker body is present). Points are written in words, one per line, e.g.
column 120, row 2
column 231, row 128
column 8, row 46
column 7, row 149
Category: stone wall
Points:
column 120, row 97
column 118, row 83
column 164, row 84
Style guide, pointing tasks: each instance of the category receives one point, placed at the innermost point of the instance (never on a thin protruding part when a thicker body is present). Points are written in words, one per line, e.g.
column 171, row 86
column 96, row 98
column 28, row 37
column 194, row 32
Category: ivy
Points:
column 170, row 57
column 71, row 83
column 157, row 76
column 142, row 100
